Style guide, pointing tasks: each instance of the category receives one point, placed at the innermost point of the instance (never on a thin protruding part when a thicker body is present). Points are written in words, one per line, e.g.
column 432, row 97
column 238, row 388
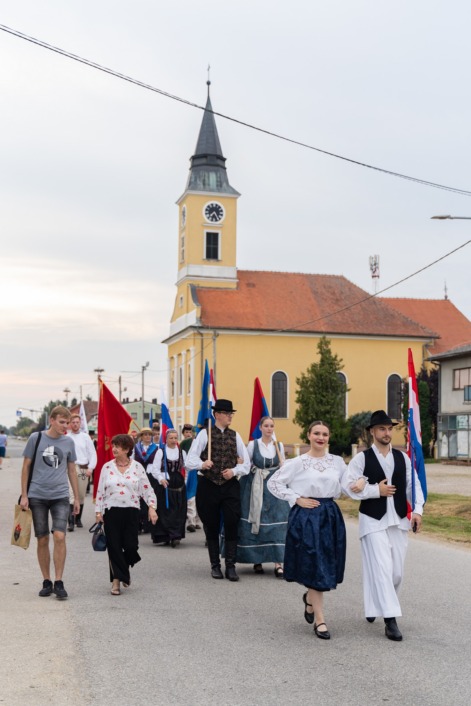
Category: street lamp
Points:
column 451, row 218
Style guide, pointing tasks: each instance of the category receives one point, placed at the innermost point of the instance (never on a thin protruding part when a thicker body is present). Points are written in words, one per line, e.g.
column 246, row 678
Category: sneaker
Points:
column 59, row 590
column 46, row 589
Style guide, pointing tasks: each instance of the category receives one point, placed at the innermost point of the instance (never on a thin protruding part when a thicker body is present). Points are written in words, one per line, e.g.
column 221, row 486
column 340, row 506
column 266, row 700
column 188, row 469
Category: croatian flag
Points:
column 259, row 410
column 414, row 433
column 165, row 423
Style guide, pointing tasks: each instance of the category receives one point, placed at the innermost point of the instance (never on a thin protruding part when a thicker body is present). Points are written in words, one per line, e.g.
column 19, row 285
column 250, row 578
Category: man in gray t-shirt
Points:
column 48, row 492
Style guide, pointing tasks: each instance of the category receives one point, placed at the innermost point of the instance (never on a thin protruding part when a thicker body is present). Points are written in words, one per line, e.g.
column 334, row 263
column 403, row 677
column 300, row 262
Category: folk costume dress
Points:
column 145, row 456
column 316, row 538
column 264, row 521
column 169, row 465
column 117, row 499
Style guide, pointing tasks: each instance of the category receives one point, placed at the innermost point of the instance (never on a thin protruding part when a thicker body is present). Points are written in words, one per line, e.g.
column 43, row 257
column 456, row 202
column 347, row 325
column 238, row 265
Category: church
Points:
column 221, row 315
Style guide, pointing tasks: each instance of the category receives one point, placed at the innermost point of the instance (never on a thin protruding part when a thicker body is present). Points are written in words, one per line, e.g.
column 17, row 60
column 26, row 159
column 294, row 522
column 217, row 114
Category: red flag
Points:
column 112, row 419
column 259, row 410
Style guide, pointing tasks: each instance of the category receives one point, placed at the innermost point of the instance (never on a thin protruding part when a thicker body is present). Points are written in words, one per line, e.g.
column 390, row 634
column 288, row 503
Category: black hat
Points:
column 380, row 417
column 223, row 406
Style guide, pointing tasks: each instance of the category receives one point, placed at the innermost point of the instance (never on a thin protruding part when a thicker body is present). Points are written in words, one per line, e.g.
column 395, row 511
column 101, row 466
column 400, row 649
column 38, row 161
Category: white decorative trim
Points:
column 183, row 322
column 209, row 194
column 207, row 272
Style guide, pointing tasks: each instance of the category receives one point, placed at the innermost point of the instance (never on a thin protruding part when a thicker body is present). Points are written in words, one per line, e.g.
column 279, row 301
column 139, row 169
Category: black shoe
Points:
column 59, row 590
column 216, row 572
column 71, row 528
column 191, row 528
column 391, row 630
column 258, row 569
column 325, row 635
column 175, row 543
column 78, row 522
column 308, row 617
column 46, row 589
column 371, row 620
column 231, row 573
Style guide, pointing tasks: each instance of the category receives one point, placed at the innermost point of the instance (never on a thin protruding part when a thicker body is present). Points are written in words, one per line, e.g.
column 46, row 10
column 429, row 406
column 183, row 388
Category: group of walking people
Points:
column 257, row 508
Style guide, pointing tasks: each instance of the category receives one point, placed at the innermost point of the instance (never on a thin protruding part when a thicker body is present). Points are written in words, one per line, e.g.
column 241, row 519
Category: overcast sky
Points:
column 91, row 166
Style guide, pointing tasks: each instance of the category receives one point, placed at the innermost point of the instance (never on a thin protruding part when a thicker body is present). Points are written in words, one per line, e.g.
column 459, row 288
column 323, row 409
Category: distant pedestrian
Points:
column 192, row 519
column 84, row 467
column 144, row 453
column 3, row 445
column 123, row 482
column 48, row 492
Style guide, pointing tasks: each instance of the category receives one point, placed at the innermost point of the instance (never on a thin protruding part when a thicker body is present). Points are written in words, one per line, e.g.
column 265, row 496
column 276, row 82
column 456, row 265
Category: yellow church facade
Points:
column 250, row 324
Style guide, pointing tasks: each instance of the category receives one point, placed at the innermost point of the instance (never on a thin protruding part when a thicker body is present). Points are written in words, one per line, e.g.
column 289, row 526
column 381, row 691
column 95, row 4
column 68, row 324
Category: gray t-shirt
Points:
column 50, row 479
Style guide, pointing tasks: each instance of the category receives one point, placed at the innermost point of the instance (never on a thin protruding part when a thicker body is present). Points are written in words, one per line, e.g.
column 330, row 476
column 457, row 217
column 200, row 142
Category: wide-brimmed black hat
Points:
column 380, row 417
column 223, row 406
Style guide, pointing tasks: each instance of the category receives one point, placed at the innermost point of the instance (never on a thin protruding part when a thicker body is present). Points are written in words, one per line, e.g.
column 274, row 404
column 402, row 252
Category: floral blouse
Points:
column 117, row 489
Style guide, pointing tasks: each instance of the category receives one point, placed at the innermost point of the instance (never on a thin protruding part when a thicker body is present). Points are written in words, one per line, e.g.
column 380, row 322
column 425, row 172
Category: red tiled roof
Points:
column 271, row 301
column 91, row 408
column 439, row 314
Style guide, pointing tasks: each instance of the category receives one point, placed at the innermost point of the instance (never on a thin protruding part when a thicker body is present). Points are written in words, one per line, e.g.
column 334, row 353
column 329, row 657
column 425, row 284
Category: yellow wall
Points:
column 240, row 358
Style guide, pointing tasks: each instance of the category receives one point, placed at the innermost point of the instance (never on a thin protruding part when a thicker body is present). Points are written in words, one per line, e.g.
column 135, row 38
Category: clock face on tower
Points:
column 214, row 212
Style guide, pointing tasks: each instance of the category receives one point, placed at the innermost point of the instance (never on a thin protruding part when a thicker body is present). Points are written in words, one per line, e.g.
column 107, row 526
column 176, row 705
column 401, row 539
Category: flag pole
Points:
column 210, row 424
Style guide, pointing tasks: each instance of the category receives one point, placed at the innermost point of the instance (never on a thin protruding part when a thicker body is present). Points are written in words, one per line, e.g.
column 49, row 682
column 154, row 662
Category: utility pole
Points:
column 66, row 393
column 143, row 369
column 119, row 384
column 99, row 371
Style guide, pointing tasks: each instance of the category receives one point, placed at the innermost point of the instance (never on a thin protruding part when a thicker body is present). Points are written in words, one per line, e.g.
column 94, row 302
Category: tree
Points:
column 358, row 431
column 24, row 427
column 320, row 395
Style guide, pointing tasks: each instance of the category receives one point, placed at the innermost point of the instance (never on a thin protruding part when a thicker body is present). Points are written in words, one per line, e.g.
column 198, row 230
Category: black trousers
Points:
column 213, row 500
column 121, row 526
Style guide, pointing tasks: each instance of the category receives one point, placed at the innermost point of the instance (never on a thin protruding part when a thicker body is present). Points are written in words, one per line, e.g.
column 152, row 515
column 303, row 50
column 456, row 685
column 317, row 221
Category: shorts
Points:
column 2, row 451
column 59, row 509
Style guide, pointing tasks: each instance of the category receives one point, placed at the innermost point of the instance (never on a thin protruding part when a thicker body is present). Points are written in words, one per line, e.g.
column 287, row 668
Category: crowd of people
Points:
column 256, row 507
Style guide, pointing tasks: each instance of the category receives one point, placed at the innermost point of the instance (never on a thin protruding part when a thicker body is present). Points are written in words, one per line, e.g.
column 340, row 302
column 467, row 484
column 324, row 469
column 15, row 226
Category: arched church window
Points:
column 394, row 397
column 279, row 395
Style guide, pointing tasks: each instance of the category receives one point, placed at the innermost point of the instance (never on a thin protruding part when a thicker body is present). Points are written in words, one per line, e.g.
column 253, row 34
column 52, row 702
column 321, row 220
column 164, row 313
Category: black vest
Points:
column 223, row 454
column 376, row 507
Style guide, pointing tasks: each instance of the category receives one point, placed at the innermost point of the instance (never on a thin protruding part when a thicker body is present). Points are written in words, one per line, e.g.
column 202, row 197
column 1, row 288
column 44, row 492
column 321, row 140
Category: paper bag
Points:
column 21, row 534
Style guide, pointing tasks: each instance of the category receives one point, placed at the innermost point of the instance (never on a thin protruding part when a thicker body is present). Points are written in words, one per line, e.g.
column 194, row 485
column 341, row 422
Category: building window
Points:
column 279, row 395
column 211, row 246
column 395, row 397
column 180, row 380
column 172, row 384
column 461, row 378
column 189, row 380
column 180, row 301
column 343, row 398
column 182, row 248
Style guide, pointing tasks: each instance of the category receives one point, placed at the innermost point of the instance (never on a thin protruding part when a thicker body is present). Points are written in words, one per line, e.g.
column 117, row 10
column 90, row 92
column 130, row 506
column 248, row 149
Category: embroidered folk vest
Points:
column 223, row 454
column 376, row 507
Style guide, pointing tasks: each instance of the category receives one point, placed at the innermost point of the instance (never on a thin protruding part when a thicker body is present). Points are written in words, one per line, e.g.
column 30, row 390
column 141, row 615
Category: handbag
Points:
column 23, row 519
column 99, row 537
column 21, row 533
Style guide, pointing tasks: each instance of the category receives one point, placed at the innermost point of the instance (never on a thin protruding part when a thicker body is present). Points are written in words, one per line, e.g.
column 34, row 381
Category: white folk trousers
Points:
column 383, row 554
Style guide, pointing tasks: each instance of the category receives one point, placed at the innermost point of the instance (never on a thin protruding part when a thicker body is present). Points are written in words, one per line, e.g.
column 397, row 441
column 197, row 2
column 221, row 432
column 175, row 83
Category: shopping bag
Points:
column 21, row 535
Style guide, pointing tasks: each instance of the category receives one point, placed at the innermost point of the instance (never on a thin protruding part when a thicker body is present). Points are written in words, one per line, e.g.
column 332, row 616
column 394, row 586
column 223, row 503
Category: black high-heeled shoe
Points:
column 308, row 617
column 323, row 634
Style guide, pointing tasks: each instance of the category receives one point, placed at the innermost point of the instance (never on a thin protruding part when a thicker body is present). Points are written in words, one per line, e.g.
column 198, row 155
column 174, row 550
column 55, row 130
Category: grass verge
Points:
column 446, row 517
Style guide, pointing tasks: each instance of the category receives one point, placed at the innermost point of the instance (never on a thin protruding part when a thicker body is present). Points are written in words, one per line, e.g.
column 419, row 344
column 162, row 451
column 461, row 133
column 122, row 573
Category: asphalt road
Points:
column 178, row 637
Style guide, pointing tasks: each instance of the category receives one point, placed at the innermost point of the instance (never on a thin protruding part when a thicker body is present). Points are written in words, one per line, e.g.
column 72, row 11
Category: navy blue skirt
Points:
column 316, row 545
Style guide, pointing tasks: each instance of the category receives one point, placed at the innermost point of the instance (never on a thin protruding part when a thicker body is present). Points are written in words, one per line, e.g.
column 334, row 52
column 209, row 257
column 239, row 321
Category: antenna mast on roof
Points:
column 374, row 269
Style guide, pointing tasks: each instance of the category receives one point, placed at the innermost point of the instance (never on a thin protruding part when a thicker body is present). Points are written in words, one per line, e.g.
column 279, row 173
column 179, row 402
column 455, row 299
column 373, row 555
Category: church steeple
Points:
column 208, row 165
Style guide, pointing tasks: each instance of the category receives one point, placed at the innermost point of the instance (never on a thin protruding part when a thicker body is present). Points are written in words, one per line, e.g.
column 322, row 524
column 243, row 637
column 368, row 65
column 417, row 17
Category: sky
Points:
column 92, row 165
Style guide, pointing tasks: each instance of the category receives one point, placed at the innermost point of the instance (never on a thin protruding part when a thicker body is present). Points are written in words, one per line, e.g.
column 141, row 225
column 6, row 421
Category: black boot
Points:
column 71, row 526
column 391, row 630
column 213, row 550
column 231, row 553
column 78, row 518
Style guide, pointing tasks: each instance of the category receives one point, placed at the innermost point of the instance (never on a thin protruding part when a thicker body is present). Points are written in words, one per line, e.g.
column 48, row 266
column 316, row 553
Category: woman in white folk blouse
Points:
column 122, row 483
column 316, row 539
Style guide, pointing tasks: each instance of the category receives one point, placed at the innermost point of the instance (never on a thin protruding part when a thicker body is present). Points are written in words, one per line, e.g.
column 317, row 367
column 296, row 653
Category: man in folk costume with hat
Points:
column 383, row 520
column 218, row 489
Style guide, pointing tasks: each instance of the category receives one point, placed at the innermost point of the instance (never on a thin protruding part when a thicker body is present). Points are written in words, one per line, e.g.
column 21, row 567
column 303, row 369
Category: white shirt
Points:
column 308, row 477
column 84, row 449
column 117, row 489
column 155, row 469
column 266, row 450
column 356, row 469
column 199, row 444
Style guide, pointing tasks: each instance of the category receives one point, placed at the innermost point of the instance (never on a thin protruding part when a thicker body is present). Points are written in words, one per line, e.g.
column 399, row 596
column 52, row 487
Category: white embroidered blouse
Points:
column 309, row 477
column 117, row 489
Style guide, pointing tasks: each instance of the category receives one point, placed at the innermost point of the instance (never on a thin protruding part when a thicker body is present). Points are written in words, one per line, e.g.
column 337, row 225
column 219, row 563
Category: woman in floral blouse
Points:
column 122, row 483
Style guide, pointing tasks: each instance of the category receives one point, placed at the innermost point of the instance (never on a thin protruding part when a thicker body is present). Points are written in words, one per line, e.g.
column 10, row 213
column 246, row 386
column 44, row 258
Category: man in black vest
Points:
column 383, row 521
column 218, row 489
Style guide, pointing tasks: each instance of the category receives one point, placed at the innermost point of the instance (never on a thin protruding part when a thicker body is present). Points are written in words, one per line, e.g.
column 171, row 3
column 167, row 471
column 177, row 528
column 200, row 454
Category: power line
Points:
column 376, row 294
column 166, row 94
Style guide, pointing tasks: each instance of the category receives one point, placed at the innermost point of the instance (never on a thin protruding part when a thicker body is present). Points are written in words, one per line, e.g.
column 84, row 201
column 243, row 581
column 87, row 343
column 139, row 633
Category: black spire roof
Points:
column 208, row 165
